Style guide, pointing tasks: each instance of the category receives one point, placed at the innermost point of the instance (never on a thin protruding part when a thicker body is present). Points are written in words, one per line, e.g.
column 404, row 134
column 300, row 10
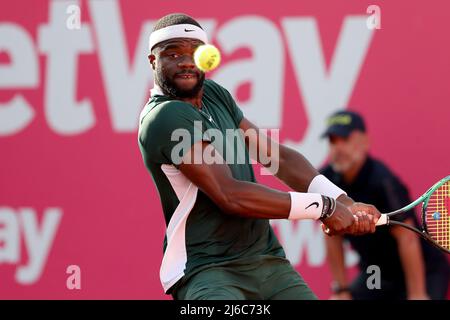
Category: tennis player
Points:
column 219, row 243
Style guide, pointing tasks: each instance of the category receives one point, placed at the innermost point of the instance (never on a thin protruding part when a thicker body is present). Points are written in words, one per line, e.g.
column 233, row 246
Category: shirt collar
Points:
column 361, row 177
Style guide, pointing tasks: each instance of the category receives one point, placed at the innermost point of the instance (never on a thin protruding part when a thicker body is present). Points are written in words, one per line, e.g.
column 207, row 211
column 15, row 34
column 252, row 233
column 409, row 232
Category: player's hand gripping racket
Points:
column 435, row 226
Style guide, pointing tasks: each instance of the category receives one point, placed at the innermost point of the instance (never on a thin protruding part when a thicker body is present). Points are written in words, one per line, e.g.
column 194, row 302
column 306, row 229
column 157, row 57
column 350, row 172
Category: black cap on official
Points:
column 342, row 123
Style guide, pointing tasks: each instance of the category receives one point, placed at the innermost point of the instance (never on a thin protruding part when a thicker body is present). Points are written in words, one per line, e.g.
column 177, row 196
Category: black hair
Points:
column 174, row 19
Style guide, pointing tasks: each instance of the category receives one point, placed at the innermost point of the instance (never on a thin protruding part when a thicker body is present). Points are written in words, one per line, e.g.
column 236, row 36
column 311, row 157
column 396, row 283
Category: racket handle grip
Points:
column 382, row 220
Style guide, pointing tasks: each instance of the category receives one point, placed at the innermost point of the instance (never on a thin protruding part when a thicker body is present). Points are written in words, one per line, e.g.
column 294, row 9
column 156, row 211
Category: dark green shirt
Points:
column 211, row 235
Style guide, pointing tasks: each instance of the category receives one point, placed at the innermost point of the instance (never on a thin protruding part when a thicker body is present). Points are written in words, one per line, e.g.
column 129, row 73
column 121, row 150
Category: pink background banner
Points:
column 73, row 187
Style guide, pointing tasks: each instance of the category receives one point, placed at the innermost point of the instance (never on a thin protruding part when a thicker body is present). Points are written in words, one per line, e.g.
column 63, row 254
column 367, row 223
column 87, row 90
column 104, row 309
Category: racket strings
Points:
column 438, row 215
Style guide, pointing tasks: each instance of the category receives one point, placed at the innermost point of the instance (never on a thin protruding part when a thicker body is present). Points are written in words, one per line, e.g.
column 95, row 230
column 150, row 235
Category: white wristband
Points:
column 320, row 184
column 305, row 206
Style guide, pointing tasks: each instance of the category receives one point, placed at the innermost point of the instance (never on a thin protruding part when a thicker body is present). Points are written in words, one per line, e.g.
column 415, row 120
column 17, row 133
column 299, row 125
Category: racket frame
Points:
column 423, row 231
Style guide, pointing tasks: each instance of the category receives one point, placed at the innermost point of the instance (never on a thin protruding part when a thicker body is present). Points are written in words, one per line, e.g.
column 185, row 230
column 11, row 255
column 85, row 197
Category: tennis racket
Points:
column 435, row 226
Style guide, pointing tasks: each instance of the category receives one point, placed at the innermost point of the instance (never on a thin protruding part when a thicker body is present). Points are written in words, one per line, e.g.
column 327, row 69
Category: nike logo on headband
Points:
column 187, row 30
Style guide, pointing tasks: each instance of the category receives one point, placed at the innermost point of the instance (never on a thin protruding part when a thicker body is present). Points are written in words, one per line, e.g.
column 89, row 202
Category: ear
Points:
column 364, row 141
column 151, row 59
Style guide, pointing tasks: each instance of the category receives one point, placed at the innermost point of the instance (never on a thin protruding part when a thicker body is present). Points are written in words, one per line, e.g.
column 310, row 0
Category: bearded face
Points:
column 175, row 70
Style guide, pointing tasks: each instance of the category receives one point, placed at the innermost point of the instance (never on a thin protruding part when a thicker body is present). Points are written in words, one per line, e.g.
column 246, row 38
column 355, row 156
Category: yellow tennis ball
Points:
column 207, row 57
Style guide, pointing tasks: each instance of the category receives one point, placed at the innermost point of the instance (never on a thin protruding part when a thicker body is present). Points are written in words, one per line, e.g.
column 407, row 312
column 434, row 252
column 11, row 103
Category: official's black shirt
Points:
column 377, row 185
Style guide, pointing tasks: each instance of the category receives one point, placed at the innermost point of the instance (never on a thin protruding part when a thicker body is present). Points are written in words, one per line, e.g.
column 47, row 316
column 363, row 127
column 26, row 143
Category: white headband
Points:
column 177, row 31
